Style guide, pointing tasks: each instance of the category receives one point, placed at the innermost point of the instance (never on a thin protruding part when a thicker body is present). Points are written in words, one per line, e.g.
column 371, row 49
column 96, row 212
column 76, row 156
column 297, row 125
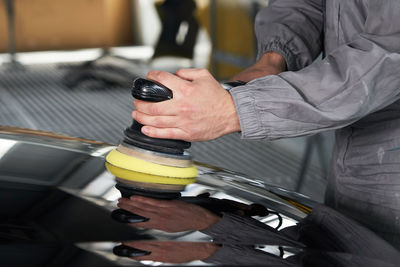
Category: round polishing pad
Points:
column 130, row 175
column 120, row 160
column 154, row 157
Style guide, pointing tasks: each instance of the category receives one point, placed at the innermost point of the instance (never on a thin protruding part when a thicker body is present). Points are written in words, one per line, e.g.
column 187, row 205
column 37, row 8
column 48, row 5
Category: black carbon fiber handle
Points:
column 125, row 251
column 150, row 91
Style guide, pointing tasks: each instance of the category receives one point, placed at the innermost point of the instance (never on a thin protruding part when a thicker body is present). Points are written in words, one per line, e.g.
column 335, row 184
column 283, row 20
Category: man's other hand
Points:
column 270, row 63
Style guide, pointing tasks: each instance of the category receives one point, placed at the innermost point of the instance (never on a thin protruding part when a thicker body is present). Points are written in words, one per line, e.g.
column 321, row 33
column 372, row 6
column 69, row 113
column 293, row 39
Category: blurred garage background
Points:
column 66, row 66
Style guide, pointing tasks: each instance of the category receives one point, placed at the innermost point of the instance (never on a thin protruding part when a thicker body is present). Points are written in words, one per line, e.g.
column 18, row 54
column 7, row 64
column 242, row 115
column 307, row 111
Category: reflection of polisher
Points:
column 152, row 167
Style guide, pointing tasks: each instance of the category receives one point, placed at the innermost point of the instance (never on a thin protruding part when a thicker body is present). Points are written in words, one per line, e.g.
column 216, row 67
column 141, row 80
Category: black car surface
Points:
column 56, row 198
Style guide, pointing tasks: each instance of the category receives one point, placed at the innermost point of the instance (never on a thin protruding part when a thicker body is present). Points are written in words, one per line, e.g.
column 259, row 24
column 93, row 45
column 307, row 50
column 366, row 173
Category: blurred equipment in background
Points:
column 44, row 25
column 179, row 29
column 106, row 71
column 71, row 24
column 9, row 7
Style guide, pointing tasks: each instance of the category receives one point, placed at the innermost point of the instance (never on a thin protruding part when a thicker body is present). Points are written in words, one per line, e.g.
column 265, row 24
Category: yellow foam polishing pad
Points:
column 147, row 178
column 129, row 163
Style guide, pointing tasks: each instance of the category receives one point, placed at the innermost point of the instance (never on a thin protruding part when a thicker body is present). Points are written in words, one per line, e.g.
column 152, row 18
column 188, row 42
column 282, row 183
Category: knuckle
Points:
column 150, row 74
column 187, row 90
column 139, row 117
column 171, row 134
column 137, row 104
column 204, row 72
column 156, row 121
column 160, row 75
column 189, row 133
column 185, row 108
column 153, row 109
column 180, row 72
column 157, row 75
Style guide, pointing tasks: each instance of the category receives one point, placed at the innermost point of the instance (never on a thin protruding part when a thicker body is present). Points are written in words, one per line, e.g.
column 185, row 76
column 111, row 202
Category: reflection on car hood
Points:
column 56, row 198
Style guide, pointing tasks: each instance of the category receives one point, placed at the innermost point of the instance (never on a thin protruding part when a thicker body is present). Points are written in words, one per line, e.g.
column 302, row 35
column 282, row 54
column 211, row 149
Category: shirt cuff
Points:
column 250, row 125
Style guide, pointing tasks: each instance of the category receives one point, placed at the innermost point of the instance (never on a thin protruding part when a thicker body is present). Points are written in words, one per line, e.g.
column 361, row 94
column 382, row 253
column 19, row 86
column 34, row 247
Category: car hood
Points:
column 56, row 198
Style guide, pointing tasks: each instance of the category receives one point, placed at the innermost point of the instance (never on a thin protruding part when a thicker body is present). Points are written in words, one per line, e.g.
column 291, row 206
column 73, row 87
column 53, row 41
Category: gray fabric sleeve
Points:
column 356, row 79
column 292, row 28
column 232, row 255
column 251, row 232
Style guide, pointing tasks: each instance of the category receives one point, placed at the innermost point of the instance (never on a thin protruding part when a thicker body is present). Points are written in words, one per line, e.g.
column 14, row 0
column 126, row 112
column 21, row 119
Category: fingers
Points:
column 165, row 108
column 166, row 133
column 192, row 74
column 167, row 79
column 155, row 121
column 159, row 126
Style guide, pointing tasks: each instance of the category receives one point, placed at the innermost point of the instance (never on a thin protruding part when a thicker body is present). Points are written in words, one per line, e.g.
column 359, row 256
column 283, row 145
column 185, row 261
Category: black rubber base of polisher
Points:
column 135, row 137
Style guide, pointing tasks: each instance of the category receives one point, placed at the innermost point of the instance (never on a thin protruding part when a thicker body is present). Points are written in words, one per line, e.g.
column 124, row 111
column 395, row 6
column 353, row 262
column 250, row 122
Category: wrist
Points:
column 209, row 220
column 233, row 123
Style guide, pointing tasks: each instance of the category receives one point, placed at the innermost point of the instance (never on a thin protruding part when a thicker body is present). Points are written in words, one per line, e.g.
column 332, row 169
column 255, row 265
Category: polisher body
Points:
column 151, row 165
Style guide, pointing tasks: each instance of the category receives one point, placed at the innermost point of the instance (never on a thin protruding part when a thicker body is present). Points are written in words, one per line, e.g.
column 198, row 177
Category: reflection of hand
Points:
column 173, row 252
column 168, row 215
column 269, row 64
column 199, row 110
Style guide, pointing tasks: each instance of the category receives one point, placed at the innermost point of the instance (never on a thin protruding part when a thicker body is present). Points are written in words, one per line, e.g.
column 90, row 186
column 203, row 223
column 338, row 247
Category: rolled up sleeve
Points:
column 356, row 79
column 292, row 28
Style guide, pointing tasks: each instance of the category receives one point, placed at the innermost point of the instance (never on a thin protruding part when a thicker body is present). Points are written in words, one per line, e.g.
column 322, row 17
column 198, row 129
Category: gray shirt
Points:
column 355, row 89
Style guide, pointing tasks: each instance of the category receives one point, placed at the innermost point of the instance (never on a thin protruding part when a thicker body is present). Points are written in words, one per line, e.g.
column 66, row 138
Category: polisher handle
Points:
column 124, row 216
column 125, row 251
column 150, row 91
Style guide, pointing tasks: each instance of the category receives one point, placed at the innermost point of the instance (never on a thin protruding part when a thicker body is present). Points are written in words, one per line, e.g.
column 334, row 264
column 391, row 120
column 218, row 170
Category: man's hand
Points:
column 270, row 63
column 173, row 252
column 168, row 215
column 200, row 109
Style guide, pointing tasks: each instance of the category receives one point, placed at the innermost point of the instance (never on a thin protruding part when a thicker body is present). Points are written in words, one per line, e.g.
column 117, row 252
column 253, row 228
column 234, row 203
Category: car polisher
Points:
column 151, row 167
